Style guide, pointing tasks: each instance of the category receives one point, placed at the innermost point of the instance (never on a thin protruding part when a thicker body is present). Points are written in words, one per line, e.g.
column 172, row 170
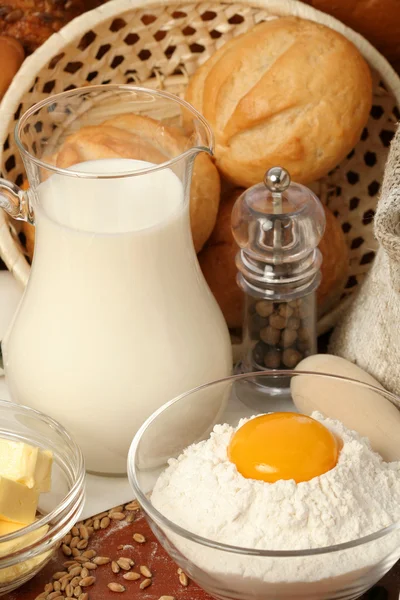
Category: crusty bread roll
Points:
column 134, row 136
column 289, row 92
column 217, row 261
column 335, row 264
column 12, row 56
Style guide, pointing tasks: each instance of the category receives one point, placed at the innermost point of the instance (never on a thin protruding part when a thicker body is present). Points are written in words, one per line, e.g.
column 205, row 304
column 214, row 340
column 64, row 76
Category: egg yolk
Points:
column 283, row 446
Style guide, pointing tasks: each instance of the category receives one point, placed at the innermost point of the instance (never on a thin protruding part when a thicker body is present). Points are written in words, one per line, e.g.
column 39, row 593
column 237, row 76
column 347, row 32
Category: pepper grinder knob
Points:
column 277, row 180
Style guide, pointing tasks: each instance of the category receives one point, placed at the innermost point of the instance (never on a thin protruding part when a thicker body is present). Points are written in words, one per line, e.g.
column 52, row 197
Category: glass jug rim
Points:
column 122, row 174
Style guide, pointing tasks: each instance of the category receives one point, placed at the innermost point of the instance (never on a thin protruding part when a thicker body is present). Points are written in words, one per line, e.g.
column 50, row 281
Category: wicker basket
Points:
column 160, row 45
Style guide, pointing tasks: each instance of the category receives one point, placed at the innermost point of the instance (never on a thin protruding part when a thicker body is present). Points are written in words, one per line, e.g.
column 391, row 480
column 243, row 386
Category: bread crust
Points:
column 289, row 92
column 217, row 261
column 335, row 264
column 12, row 56
column 377, row 20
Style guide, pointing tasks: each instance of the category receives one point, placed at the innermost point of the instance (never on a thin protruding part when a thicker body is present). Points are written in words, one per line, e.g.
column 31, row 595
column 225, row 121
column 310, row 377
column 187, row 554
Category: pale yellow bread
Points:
column 104, row 141
column 289, row 92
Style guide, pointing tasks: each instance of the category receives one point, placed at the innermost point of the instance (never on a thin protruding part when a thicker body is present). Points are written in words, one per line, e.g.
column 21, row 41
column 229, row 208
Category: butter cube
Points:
column 26, row 464
column 7, row 548
column 30, row 566
column 10, row 574
column 42, row 476
column 17, row 502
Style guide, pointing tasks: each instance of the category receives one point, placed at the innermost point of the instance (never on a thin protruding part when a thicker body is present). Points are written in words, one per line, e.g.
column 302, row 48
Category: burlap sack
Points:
column 369, row 332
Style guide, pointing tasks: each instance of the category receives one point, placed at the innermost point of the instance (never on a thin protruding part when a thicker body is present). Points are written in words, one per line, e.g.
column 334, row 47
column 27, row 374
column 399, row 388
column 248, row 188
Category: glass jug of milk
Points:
column 116, row 318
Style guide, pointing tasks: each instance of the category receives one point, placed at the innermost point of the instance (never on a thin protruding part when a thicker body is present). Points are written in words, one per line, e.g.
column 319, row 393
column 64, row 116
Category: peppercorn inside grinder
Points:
column 278, row 226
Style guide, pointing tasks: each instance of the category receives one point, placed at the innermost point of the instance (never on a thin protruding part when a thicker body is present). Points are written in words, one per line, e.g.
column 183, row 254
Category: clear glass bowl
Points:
column 58, row 510
column 344, row 571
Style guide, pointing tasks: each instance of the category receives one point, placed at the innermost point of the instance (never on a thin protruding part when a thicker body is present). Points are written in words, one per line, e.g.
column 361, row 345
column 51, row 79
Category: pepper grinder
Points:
column 278, row 226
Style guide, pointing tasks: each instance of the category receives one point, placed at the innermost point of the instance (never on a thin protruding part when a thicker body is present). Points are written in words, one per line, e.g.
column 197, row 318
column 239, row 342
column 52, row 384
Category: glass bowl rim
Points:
column 68, row 500
column 193, row 537
column 103, row 88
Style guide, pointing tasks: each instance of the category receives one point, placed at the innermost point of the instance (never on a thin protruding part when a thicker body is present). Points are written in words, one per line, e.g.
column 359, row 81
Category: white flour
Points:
column 203, row 492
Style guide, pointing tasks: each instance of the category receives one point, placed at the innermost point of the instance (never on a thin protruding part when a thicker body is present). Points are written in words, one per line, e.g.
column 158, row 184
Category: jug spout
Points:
column 15, row 201
column 124, row 138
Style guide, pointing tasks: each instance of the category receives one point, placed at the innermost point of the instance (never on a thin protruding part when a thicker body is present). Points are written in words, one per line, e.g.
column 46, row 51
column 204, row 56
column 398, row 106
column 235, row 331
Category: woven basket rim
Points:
column 25, row 77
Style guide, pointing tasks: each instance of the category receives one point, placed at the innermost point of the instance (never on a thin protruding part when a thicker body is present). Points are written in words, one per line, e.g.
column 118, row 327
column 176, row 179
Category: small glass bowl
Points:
column 58, row 510
column 344, row 571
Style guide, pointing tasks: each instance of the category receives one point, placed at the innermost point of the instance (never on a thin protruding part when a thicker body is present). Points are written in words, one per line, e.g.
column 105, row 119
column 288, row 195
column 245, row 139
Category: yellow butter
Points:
column 23, row 541
column 30, row 566
column 17, row 502
column 42, row 476
column 26, row 464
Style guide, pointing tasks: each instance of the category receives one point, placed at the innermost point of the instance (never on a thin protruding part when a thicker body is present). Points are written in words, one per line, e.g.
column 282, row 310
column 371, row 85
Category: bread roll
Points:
column 12, row 56
column 369, row 413
column 133, row 136
column 217, row 261
column 335, row 264
column 289, row 92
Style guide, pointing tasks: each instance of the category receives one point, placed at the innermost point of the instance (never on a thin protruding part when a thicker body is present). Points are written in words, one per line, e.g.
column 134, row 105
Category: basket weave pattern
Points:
column 161, row 46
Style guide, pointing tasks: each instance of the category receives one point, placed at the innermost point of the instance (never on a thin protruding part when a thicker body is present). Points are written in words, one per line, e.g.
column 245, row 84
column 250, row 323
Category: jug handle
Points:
column 15, row 201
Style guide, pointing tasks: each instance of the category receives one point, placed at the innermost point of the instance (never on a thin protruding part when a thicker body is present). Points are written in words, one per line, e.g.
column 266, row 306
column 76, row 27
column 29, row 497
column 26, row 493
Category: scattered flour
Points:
column 203, row 492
